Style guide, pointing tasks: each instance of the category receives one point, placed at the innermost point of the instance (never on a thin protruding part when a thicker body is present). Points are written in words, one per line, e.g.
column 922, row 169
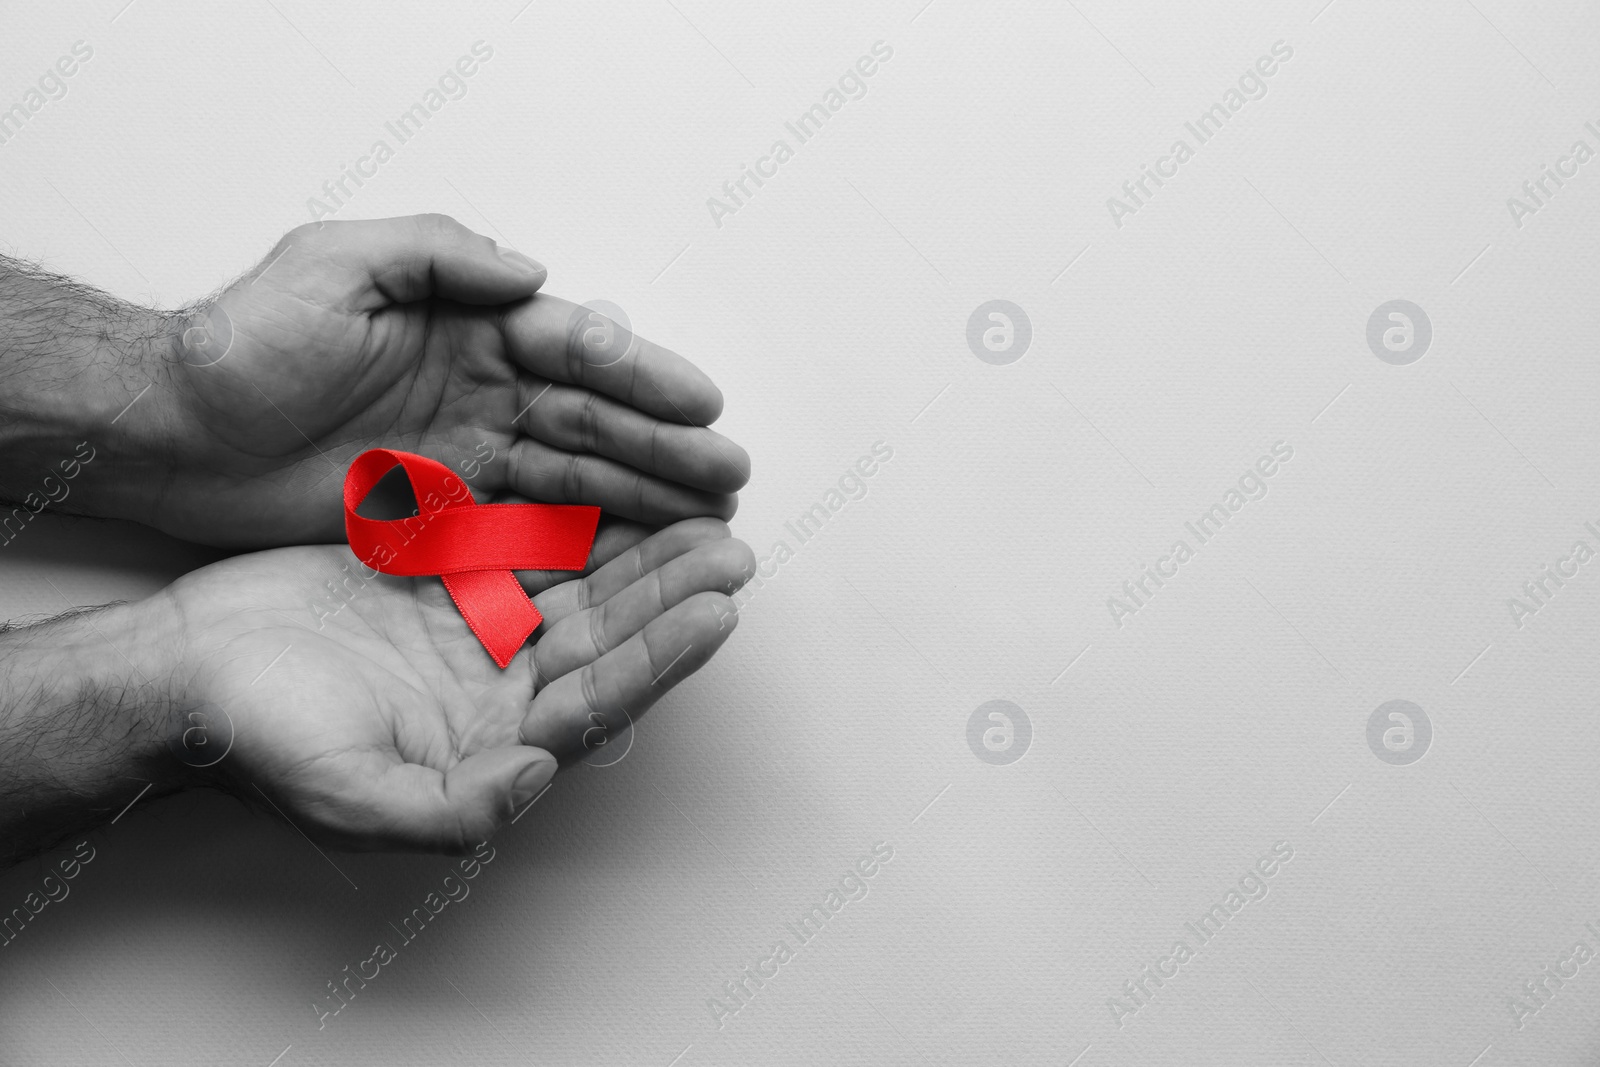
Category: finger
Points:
column 581, row 420
column 417, row 256
column 613, row 537
column 570, row 597
column 582, row 637
column 556, row 477
column 550, row 337
column 408, row 805
column 620, row 686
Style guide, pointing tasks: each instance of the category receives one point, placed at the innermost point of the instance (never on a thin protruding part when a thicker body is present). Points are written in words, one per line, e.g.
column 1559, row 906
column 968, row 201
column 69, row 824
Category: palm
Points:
column 383, row 721
column 414, row 335
column 343, row 376
column 393, row 673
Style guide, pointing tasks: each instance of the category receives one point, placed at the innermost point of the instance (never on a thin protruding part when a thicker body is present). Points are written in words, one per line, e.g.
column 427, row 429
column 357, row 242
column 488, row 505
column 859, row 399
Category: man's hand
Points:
column 371, row 717
column 411, row 333
column 390, row 726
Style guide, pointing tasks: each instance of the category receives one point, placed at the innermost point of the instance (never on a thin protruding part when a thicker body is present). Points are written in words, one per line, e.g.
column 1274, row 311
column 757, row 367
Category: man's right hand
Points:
column 370, row 717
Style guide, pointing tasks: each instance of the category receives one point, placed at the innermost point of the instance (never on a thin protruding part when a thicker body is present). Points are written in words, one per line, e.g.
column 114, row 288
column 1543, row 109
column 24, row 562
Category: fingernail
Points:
column 521, row 262
column 531, row 782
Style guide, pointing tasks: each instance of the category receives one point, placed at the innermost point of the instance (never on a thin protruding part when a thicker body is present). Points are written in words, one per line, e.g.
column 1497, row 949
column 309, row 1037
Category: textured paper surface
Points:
column 1167, row 750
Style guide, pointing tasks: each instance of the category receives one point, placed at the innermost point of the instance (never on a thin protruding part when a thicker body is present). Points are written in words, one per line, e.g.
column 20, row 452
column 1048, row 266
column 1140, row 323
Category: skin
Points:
column 383, row 724
column 412, row 334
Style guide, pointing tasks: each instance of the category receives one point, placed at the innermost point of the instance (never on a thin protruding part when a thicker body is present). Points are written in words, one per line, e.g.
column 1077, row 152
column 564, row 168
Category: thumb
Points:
column 419, row 256
column 421, row 807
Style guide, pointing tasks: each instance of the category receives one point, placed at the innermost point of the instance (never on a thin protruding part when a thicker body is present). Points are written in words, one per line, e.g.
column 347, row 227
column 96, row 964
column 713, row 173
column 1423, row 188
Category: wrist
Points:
column 72, row 361
column 86, row 706
column 138, row 675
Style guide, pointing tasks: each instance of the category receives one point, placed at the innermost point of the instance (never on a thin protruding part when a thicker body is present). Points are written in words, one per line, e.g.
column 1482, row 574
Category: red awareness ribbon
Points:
column 473, row 547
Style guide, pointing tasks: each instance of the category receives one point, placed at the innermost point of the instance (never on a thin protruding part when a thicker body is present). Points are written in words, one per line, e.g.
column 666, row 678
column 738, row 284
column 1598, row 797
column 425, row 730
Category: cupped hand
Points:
column 416, row 334
column 370, row 716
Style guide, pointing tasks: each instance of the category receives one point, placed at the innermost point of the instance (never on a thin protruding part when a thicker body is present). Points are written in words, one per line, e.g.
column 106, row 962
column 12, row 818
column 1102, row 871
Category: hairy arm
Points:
column 72, row 358
column 84, row 714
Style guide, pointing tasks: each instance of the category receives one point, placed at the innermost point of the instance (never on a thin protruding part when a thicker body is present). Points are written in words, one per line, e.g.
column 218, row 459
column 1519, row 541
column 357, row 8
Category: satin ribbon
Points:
column 472, row 547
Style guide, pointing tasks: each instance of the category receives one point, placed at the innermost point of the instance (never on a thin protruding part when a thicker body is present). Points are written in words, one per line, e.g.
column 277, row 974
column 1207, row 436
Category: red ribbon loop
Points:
column 473, row 547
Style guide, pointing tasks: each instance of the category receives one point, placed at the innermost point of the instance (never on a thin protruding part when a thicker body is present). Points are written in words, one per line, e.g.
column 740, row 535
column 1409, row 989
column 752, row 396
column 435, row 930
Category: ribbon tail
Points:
column 497, row 610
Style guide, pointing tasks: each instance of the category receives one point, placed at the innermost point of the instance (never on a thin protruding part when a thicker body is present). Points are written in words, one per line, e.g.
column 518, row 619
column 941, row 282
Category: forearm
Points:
column 72, row 358
column 85, row 710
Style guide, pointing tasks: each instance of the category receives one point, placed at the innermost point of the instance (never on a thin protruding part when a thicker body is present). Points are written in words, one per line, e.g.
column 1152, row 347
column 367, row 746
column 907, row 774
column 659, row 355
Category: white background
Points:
column 1229, row 714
